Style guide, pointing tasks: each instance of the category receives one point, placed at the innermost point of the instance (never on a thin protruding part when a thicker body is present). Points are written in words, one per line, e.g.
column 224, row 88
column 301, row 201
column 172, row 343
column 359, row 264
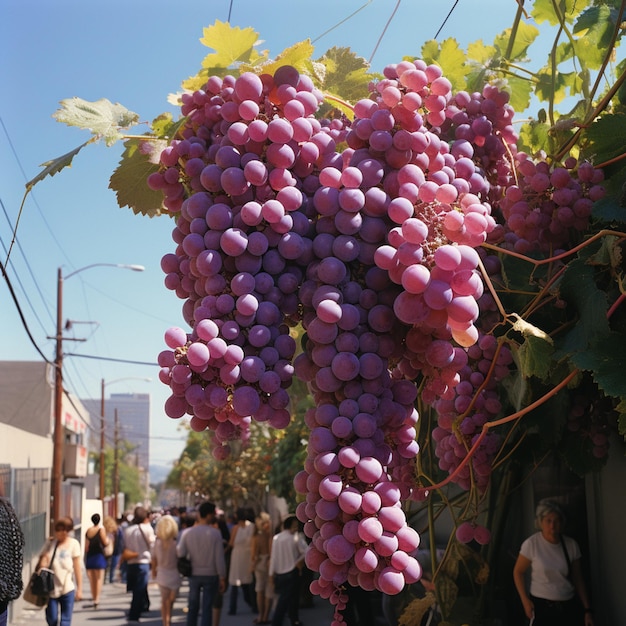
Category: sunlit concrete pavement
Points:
column 115, row 601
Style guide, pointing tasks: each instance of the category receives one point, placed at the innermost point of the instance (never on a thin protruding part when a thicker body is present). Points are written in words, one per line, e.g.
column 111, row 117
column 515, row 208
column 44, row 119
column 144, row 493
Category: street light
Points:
column 57, row 450
column 102, row 425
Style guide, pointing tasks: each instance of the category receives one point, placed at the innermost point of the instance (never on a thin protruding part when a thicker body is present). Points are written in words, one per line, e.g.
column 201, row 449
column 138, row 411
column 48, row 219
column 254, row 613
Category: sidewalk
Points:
column 114, row 602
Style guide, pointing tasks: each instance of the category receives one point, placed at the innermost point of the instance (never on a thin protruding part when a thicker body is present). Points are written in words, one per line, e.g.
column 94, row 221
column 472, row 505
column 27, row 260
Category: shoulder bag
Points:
column 41, row 583
column 183, row 565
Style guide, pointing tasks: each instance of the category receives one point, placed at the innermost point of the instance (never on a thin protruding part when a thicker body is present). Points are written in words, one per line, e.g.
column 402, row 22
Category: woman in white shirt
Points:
column 555, row 573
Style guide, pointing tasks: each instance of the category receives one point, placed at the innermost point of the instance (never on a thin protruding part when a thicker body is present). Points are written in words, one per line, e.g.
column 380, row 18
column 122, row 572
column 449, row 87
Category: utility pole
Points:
column 116, row 470
column 102, row 424
column 57, row 450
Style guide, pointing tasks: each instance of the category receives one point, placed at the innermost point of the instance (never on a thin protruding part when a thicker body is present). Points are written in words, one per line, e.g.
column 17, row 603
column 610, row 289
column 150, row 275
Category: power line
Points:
column 104, row 358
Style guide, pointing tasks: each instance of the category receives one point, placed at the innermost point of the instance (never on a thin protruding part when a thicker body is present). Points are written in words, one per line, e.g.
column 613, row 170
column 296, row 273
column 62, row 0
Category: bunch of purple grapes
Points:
column 475, row 401
column 238, row 179
column 548, row 205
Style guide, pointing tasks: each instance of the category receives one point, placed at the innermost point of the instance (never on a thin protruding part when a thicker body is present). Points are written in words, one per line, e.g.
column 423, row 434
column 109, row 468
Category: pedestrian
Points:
column 116, row 535
column 555, row 573
column 202, row 544
column 12, row 556
column 218, row 599
column 164, row 568
column 260, row 554
column 138, row 542
column 286, row 562
column 62, row 554
column 240, row 572
column 95, row 561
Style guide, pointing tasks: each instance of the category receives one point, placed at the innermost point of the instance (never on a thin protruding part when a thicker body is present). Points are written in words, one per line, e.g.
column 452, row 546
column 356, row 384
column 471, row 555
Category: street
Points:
column 114, row 602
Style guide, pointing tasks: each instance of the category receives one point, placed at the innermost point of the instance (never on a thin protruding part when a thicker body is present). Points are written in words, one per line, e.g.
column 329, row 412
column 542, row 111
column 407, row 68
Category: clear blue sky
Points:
column 136, row 52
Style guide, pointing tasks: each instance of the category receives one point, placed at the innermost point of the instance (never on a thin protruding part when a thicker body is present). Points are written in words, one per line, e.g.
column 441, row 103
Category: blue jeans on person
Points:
column 207, row 586
column 287, row 586
column 4, row 616
column 113, row 561
column 137, row 582
column 63, row 604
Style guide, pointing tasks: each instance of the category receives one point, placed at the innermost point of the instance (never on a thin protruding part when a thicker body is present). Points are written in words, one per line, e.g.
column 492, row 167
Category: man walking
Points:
column 138, row 542
column 202, row 544
column 286, row 561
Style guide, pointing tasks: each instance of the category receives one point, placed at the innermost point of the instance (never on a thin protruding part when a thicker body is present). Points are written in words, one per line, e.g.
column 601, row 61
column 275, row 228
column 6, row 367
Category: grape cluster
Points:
column 548, row 204
column 591, row 422
column 475, row 401
column 243, row 243
column 367, row 233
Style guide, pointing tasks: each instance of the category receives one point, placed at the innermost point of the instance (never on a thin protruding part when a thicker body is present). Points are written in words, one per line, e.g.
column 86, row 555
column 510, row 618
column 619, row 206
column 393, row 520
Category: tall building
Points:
column 133, row 417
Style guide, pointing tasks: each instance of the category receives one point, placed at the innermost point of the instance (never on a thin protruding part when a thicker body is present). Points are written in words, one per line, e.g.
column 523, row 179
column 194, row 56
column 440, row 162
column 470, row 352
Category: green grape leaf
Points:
column 450, row 57
column 128, row 181
column 595, row 28
column 520, row 91
column 543, row 11
column 534, row 136
column 524, row 37
column 102, row 117
column 606, row 360
column 345, row 74
column 548, row 90
column 54, row 166
column 578, row 287
column 535, row 357
column 607, row 136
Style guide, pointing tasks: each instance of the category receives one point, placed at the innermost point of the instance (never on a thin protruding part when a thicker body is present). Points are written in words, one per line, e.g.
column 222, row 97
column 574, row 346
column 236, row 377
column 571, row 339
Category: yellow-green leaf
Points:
column 533, row 137
column 519, row 89
column 129, row 179
column 231, row 44
column 346, row 74
column 298, row 56
column 416, row 610
column 450, row 57
column 103, row 118
column 543, row 10
column 524, row 37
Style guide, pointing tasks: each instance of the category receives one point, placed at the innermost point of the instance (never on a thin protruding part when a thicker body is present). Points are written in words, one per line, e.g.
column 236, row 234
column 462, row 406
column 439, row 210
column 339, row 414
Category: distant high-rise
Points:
column 133, row 415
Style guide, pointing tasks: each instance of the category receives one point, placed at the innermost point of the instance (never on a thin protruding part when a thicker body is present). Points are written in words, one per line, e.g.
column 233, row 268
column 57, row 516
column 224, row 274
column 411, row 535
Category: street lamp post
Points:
column 57, row 450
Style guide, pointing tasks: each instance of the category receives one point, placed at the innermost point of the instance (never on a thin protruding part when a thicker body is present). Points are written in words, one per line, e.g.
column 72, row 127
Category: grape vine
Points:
column 451, row 274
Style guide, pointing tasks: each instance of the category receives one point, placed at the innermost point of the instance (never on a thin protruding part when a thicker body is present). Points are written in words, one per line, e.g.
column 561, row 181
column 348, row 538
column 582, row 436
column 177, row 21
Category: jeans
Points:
column 113, row 561
column 64, row 604
column 4, row 616
column 138, row 577
column 287, row 586
column 208, row 586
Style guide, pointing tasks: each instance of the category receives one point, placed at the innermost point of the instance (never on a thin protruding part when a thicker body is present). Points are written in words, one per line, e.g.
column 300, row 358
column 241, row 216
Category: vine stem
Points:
column 504, row 420
column 558, row 257
column 329, row 96
column 616, row 305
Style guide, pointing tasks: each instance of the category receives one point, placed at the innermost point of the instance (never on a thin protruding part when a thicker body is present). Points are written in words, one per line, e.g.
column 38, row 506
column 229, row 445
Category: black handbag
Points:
column 42, row 581
column 184, row 566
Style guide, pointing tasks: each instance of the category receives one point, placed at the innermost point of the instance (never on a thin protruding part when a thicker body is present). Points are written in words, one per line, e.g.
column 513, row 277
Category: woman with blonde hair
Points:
column 164, row 567
column 261, row 547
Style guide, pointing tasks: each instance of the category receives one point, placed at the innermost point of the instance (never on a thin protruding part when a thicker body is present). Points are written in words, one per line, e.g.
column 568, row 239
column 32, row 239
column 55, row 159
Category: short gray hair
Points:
column 545, row 507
